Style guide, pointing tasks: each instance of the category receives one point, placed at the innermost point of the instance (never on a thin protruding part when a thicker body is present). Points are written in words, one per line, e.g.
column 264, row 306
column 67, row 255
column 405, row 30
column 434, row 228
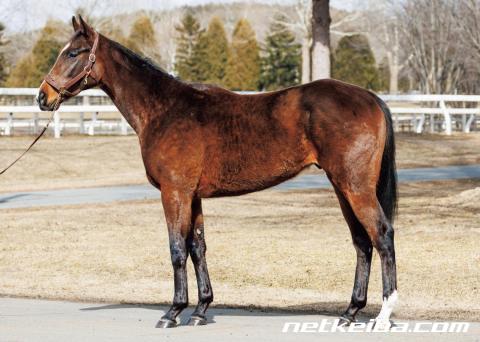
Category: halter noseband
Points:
column 64, row 90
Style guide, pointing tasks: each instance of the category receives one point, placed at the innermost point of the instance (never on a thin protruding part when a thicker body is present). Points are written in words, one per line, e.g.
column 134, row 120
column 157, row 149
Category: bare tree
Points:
column 165, row 23
column 382, row 26
column 321, row 39
column 467, row 17
column 430, row 32
column 301, row 24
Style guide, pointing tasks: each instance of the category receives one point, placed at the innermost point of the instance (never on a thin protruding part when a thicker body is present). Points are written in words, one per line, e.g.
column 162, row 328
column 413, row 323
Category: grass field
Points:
column 286, row 250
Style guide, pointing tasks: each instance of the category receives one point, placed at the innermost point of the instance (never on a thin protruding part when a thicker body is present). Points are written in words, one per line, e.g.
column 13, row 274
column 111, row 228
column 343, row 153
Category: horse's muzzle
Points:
column 42, row 100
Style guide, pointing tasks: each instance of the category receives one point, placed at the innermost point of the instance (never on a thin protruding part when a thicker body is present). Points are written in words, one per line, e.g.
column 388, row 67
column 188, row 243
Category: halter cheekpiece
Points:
column 64, row 90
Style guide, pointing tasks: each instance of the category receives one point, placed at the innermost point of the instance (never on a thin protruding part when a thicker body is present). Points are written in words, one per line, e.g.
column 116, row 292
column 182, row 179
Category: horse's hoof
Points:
column 197, row 320
column 166, row 323
column 344, row 321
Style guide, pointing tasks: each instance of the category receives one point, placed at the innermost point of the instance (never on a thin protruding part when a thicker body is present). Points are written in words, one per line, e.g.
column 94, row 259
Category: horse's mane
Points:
column 152, row 68
column 142, row 62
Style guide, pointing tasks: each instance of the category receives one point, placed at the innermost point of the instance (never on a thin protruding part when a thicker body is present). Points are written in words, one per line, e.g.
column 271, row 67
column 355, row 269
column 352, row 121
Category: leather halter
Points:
column 64, row 89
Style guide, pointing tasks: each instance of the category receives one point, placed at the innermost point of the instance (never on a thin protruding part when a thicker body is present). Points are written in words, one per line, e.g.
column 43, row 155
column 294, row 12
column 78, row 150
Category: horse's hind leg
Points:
column 197, row 248
column 369, row 213
column 363, row 247
column 359, row 191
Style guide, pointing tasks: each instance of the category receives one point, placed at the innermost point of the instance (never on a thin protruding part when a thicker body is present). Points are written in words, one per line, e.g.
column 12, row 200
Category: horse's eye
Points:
column 72, row 53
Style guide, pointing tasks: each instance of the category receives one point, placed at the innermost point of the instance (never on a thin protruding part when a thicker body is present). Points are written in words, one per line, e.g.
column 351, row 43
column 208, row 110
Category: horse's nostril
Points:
column 41, row 98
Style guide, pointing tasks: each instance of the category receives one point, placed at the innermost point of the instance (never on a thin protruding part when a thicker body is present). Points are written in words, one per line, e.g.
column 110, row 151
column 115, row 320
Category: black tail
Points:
column 387, row 184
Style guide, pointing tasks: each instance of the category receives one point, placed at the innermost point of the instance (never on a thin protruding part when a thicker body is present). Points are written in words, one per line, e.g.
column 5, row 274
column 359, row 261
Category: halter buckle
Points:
column 91, row 58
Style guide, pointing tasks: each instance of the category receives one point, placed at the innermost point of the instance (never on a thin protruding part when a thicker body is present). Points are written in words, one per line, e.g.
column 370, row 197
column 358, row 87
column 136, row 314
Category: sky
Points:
column 24, row 15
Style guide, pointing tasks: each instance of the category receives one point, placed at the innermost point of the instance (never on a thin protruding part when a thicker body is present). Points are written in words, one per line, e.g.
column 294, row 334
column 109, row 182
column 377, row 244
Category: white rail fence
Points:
column 20, row 114
column 435, row 113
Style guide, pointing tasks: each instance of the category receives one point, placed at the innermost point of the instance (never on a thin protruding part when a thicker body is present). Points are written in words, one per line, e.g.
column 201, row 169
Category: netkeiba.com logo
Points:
column 335, row 325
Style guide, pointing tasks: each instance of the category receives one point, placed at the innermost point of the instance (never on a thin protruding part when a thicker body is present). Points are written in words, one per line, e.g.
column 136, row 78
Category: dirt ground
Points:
column 283, row 250
column 81, row 161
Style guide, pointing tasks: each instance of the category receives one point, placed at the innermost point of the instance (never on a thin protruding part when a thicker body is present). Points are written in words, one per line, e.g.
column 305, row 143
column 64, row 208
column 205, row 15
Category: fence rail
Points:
column 19, row 113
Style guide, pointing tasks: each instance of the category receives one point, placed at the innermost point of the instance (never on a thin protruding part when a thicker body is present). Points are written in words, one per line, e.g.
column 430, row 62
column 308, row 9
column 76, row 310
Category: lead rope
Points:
column 55, row 107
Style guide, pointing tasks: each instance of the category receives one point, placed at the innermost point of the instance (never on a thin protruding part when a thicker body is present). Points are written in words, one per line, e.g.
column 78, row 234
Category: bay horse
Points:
column 202, row 141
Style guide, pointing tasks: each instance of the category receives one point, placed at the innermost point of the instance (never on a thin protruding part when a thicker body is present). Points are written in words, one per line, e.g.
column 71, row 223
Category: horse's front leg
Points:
column 178, row 213
column 197, row 248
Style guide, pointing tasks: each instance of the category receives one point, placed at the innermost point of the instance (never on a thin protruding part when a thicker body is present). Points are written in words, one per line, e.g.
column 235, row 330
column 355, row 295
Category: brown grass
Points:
column 81, row 161
column 288, row 250
column 72, row 161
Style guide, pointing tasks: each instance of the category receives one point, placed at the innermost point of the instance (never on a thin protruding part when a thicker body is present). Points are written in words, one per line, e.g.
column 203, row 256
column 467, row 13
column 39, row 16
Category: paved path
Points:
column 139, row 192
column 40, row 320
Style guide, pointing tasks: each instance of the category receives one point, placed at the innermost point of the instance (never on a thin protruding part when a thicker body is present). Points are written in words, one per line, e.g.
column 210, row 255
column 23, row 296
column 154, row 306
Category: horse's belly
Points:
column 235, row 179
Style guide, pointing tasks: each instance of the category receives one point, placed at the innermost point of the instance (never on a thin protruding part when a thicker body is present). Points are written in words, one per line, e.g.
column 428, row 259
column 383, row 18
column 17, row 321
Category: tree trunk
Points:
column 321, row 39
column 306, row 61
column 394, row 66
column 393, row 88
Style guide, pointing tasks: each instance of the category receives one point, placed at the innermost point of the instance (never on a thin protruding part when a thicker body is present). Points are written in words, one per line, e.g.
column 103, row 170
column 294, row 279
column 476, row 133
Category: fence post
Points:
column 9, row 127
column 419, row 126
column 81, row 123
column 448, row 118
column 56, row 124
column 123, row 126
column 468, row 124
column 432, row 123
column 35, row 123
column 91, row 128
column 81, row 128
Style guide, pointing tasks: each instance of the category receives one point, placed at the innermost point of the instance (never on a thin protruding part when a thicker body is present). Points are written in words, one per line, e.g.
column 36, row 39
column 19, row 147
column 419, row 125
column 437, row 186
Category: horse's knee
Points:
column 178, row 254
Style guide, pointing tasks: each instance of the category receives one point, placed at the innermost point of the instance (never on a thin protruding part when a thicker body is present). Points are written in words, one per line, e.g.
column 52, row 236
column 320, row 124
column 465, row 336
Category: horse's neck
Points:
column 139, row 91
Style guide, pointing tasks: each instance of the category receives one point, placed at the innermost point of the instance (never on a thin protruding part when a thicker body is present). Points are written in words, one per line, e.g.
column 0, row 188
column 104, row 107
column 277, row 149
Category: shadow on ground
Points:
column 333, row 309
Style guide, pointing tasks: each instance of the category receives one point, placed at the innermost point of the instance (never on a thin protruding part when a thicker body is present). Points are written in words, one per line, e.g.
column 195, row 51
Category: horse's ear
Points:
column 75, row 24
column 85, row 28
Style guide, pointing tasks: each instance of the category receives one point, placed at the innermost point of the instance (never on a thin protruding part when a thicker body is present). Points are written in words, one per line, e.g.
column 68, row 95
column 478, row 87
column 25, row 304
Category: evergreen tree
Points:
column 142, row 38
column 3, row 62
column 188, row 35
column 217, row 51
column 200, row 66
column 282, row 59
column 354, row 62
column 31, row 70
column 20, row 76
column 209, row 57
column 243, row 62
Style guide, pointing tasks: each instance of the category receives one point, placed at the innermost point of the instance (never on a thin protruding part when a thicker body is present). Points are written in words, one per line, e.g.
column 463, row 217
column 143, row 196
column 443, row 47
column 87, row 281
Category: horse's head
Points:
column 77, row 68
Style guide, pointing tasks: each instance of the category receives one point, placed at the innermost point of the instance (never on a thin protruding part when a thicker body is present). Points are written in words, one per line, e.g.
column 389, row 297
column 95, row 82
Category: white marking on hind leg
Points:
column 383, row 317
